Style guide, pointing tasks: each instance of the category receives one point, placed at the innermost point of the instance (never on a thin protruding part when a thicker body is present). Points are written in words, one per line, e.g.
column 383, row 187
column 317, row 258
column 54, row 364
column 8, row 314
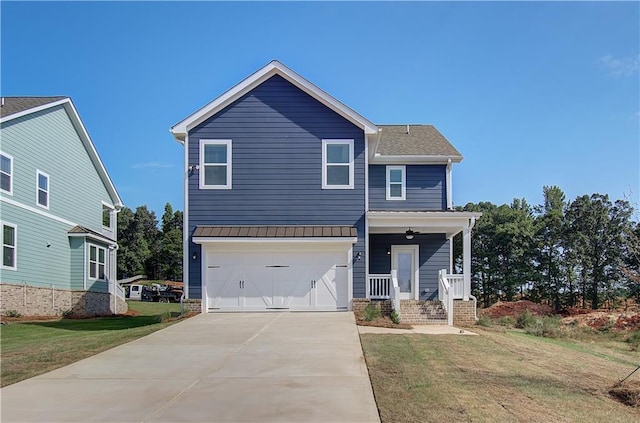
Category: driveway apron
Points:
column 232, row 367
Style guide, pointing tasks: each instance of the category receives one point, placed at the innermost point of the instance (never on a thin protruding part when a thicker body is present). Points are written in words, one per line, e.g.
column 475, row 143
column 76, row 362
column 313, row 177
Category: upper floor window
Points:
column 337, row 164
column 6, row 173
column 9, row 246
column 107, row 216
column 215, row 164
column 396, row 183
column 97, row 262
column 42, row 189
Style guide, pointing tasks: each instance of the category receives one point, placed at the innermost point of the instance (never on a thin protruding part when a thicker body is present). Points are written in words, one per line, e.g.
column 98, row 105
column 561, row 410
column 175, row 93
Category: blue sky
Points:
column 532, row 94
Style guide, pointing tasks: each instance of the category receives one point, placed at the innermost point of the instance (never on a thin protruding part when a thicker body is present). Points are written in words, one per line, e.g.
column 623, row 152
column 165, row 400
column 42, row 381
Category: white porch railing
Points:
column 395, row 291
column 379, row 287
column 450, row 287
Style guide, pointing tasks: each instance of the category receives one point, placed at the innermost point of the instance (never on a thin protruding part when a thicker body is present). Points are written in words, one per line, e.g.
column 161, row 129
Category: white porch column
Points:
column 466, row 261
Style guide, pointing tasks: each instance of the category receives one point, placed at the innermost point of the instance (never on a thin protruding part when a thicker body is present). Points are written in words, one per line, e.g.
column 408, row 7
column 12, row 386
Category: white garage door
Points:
column 291, row 280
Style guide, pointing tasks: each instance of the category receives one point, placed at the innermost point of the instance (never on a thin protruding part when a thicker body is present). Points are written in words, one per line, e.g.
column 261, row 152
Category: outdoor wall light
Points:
column 388, row 251
column 358, row 256
column 194, row 256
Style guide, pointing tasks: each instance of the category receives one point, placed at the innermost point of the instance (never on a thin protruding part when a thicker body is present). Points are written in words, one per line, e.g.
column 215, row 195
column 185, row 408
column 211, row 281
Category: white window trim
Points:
column 48, row 190
column 106, row 265
column 15, row 246
column 403, row 169
column 325, row 143
column 228, row 143
column 10, row 157
column 112, row 216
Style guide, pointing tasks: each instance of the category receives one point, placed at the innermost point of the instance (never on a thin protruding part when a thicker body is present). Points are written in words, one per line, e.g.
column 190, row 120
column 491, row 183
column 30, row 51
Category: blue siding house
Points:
column 58, row 213
column 294, row 201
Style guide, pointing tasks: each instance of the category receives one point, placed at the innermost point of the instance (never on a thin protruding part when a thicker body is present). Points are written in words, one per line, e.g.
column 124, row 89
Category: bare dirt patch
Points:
column 627, row 393
column 516, row 308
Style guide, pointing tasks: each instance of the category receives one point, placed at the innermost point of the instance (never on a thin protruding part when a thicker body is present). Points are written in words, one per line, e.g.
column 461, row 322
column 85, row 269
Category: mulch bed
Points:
column 383, row 322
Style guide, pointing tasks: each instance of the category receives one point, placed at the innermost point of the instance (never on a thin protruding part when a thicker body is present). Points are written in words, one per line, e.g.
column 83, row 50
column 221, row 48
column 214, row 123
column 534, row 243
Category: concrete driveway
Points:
column 266, row 367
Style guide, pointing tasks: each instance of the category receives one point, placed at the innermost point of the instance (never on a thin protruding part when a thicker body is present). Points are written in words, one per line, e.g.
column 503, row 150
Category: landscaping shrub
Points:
column 395, row 317
column 548, row 327
column 484, row 321
column 525, row 320
column 506, row 321
column 12, row 313
column 371, row 312
column 634, row 340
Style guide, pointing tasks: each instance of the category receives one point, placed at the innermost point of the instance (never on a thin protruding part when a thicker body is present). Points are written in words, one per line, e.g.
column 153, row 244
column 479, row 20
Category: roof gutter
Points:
column 427, row 159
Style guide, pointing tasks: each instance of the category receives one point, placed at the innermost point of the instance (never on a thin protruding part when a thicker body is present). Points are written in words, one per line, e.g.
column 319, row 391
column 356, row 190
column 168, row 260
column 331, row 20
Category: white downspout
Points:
column 185, row 221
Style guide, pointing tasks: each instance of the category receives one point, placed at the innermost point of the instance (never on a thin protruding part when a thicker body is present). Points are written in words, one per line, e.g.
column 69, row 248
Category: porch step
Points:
column 422, row 312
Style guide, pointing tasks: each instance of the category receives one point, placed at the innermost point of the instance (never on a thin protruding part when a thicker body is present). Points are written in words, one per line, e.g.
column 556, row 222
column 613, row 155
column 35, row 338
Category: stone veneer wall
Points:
column 464, row 313
column 191, row 306
column 32, row 301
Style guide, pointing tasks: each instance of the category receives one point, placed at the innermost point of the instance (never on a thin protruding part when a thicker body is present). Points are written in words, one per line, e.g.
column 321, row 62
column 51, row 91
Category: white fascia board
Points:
column 95, row 238
column 84, row 136
column 314, row 240
column 34, row 110
column 449, row 223
column 93, row 154
column 398, row 160
column 274, row 67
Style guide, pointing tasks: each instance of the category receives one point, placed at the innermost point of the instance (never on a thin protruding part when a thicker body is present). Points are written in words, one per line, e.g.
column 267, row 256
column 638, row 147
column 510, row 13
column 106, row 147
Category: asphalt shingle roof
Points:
column 14, row 105
column 414, row 140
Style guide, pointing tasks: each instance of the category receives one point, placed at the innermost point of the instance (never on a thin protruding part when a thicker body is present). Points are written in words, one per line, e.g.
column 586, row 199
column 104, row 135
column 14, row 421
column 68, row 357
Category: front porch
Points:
column 410, row 264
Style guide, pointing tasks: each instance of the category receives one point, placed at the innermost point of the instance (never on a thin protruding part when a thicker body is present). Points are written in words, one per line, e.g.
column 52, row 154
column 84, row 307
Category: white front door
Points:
column 404, row 259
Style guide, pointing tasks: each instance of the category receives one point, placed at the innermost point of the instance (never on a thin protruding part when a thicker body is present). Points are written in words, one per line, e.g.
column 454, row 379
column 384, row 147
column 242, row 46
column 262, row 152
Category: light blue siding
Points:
column 277, row 133
column 426, row 188
column 37, row 264
column 433, row 256
column 48, row 141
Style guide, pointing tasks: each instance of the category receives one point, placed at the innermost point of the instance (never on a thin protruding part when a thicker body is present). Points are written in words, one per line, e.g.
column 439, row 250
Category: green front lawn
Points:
column 32, row 348
column 495, row 377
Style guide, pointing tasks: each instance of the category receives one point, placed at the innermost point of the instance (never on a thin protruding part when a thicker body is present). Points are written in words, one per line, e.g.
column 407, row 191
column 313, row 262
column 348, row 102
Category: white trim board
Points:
column 274, row 67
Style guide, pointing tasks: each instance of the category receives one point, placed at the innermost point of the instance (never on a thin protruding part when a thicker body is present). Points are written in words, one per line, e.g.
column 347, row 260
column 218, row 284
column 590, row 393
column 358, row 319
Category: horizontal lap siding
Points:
column 48, row 141
column 433, row 252
column 277, row 133
column 426, row 188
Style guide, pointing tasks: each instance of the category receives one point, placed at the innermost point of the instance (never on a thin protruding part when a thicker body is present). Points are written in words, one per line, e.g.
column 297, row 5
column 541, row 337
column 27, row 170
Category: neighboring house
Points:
column 294, row 201
column 58, row 213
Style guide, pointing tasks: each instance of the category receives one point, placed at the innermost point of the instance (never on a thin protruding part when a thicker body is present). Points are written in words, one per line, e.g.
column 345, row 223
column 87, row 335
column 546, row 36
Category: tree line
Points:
column 145, row 248
column 563, row 253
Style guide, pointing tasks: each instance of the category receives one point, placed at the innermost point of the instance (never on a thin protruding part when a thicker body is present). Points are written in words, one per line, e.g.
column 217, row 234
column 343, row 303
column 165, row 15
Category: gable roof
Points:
column 12, row 105
column 274, row 67
column 21, row 106
column 418, row 142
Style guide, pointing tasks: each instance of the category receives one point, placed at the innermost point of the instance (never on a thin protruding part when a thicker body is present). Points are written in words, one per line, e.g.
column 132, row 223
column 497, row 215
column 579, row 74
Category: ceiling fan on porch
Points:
column 410, row 233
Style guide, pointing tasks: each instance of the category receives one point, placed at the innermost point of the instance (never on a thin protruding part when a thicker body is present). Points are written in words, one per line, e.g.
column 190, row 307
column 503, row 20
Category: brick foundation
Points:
column 464, row 313
column 191, row 306
column 359, row 304
column 33, row 301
